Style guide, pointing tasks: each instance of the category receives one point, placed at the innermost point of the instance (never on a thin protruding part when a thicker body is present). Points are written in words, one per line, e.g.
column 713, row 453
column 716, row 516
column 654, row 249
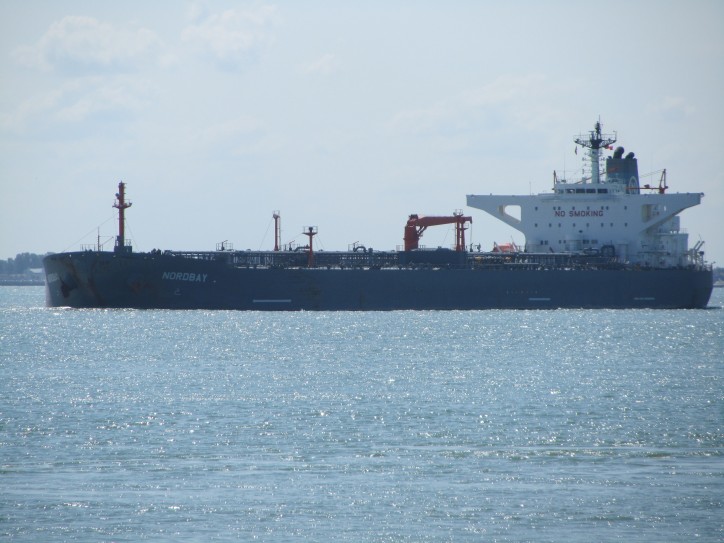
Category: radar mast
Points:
column 595, row 142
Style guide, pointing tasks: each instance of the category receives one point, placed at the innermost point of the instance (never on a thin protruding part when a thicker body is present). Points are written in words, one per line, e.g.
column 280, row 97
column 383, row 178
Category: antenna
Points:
column 595, row 142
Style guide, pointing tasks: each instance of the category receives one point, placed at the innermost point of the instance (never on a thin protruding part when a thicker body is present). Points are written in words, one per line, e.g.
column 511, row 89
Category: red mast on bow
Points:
column 121, row 205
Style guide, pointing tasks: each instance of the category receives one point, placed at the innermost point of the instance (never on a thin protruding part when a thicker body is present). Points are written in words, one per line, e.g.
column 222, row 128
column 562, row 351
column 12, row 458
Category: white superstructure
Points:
column 614, row 216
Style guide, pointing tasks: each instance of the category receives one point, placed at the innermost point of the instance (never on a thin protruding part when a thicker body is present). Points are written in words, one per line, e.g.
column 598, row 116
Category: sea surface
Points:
column 565, row 425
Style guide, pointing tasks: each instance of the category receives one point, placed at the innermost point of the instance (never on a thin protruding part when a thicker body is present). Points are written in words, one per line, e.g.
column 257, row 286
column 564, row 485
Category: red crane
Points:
column 416, row 225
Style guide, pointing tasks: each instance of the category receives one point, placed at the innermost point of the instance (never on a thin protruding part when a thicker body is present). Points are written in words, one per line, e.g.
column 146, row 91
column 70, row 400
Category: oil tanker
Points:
column 602, row 241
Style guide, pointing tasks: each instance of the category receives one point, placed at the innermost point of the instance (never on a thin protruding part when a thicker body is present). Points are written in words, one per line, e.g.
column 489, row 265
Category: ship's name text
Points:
column 185, row 276
column 582, row 213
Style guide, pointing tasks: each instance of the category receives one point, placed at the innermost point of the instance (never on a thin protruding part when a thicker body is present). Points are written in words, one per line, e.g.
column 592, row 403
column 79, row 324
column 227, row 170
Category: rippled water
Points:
column 124, row 425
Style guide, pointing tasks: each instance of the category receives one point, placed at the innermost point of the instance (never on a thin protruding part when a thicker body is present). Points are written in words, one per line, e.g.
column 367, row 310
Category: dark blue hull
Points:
column 167, row 281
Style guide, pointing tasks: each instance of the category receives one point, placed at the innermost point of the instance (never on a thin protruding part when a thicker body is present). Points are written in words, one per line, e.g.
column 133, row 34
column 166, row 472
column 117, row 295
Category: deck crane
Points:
column 417, row 224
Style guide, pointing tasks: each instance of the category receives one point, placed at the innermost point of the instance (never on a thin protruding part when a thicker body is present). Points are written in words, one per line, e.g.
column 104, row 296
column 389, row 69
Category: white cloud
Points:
column 505, row 89
column 672, row 108
column 324, row 65
column 82, row 45
column 195, row 12
column 507, row 103
column 239, row 136
column 115, row 96
column 77, row 101
column 233, row 36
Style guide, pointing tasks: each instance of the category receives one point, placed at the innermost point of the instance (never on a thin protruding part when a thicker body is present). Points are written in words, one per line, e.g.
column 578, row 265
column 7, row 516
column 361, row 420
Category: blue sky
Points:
column 344, row 115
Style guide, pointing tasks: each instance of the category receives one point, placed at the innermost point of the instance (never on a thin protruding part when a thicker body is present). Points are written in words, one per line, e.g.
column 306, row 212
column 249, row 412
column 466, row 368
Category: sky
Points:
column 347, row 116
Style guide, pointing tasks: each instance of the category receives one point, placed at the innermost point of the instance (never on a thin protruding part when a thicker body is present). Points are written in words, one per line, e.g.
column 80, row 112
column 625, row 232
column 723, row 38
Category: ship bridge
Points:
column 614, row 214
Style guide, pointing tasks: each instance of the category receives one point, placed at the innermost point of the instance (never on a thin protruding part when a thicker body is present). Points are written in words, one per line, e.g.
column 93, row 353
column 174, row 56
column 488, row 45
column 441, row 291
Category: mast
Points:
column 277, row 230
column 121, row 205
column 595, row 142
column 310, row 232
column 460, row 230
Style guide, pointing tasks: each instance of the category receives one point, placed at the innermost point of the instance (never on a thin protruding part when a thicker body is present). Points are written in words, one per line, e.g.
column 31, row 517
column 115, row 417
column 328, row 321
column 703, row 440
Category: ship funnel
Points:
column 623, row 170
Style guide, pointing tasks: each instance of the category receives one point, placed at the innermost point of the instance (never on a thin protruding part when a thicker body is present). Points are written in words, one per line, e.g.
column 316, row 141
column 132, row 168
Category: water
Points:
column 122, row 425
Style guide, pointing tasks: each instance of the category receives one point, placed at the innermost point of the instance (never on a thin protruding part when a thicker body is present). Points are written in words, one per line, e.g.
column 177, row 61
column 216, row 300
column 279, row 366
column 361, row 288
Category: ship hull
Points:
column 165, row 281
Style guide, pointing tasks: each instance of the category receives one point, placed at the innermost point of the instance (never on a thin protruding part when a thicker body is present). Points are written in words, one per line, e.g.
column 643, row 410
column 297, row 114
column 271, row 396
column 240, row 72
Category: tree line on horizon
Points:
column 21, row 264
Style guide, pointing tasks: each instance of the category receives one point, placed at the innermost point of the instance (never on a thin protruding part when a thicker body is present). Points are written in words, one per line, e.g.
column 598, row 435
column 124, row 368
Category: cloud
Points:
column 503, row 106
column 233, row 37
column 505, row 89
column 504, row 92
column 240, row 136
column 78, row 101
column 117, row 96
column 324, row 65
column 80, row 45
column 672, row 108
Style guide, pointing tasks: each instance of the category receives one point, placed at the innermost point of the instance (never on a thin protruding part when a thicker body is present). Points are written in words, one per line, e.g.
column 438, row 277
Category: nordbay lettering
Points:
column 186, row 276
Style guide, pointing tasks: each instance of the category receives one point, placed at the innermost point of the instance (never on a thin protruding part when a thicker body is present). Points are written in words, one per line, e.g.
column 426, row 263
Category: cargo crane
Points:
column 416, row 225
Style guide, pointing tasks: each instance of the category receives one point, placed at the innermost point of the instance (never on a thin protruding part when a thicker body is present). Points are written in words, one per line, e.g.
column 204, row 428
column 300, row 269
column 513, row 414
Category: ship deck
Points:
column 414, row 259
